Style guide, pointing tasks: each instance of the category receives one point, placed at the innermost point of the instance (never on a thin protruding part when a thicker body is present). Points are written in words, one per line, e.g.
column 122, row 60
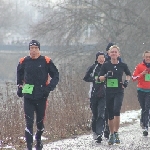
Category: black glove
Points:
column 108, row 74
column 19, row 92
column 125, row 84
column 46, row 92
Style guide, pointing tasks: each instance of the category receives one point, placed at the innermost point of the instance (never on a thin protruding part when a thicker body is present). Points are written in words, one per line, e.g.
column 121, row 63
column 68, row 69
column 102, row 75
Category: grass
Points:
column 67, row 115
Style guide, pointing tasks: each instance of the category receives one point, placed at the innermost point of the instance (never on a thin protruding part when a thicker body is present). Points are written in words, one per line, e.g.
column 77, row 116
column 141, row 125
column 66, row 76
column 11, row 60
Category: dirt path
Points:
column 130, row 136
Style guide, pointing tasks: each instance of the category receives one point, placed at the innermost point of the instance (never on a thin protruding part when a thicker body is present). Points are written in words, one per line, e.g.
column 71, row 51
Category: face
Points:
column 114, row 53
column 34, row 51
column 147, row 57
column 101, row 59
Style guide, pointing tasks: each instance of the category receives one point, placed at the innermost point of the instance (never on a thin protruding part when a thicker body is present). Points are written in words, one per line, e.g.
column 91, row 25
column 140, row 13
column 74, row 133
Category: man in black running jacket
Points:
column 32, row 76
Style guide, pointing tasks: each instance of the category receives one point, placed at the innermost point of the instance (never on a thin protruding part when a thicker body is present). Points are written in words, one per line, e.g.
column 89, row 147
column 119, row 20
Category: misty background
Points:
column 70, row 32
column 73, row 27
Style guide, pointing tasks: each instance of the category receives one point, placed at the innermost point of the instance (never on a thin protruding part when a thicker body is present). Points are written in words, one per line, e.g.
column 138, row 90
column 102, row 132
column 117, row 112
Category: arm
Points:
column 128, row 77
column 107, row 75
column 88, row 76
column 20, row 74
column 54, row 74
column 102, row 75
column 137, row 73
column 102, row 78
column 20, row 78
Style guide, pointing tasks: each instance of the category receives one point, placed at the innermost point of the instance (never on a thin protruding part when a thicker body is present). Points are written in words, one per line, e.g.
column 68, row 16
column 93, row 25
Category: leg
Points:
column 106, row 116
column 147, row 109
column 141, row 120
column 106, row 131
column 142, row 104
column 40, row 115
column 117, row 107
column 116, row 123
column 100, row 121
column 111, row 126
column 141, row 99
column 29, row 118
column 93, row 106
column 110, row 108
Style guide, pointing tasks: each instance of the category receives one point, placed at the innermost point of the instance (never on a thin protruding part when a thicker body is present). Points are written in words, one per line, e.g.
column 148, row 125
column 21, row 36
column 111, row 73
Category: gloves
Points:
column 108, row 74
column 125, row 84
column 46, row 92
column 19, row 92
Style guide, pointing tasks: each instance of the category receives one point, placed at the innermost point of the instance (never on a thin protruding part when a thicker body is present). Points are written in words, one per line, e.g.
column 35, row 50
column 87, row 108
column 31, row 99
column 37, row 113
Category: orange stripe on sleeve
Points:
column 47, row 59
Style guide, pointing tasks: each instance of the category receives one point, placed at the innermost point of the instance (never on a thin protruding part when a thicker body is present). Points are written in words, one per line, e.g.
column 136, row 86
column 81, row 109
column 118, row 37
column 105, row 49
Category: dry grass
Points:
column 67, row 115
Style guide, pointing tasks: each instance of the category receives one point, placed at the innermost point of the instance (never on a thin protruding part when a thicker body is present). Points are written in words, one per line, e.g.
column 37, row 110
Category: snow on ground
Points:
column 130, row 136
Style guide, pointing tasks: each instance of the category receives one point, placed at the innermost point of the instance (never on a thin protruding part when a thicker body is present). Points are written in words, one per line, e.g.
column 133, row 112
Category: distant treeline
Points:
column 49, row 48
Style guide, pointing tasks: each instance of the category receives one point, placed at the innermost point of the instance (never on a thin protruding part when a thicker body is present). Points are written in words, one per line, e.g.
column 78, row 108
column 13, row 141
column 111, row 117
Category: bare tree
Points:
column 6, row 18
column 68, row 21
column 78, row 22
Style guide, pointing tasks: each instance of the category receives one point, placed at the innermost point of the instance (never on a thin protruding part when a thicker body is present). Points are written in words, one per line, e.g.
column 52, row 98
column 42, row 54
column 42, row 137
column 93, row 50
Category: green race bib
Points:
column 147, row 77
column 28, row 89
column 112, row 83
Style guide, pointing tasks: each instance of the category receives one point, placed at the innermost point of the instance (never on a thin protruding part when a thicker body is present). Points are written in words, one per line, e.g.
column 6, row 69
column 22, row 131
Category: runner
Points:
column 97, row 97
column 33, row 72
column 108, row 58
column 141, row 74
column 112, row 71
column 106, row 130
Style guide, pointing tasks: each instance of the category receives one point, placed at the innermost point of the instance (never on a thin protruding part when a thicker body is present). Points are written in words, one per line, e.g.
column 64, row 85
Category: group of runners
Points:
column 106, row 93
column 37, row 76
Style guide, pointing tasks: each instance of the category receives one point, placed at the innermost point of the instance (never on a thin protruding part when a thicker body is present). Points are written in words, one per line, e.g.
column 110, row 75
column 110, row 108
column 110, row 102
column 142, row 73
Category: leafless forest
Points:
column 79, row 28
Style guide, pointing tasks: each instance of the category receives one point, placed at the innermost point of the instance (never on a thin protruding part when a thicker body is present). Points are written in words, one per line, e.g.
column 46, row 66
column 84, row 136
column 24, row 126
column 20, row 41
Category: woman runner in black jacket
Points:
column 97, row 97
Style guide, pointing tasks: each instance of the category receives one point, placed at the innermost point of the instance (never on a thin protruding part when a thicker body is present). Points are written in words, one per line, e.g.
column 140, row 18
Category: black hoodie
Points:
column 97, row 88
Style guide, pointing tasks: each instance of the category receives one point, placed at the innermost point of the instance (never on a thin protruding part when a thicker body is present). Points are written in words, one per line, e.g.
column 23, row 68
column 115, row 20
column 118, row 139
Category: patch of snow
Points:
column 130, row 136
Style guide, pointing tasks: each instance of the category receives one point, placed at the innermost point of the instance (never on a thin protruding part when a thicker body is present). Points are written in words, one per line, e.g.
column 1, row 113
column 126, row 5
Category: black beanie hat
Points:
column 109, row 45
column 34, row 42
column 99, row 53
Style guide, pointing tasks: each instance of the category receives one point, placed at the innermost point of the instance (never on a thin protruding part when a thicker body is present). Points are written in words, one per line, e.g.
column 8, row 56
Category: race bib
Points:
column 28, row 89
column 147, row 77
column 112, row 83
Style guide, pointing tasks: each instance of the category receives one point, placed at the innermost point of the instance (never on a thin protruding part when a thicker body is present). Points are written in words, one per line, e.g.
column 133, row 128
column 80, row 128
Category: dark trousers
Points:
column 39, row 107
column 97, row 106
column 144, row 100
column 106, row 116
column 114, row 103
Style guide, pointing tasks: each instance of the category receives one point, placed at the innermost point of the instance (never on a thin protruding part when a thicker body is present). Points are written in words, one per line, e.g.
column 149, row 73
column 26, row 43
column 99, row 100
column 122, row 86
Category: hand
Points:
column 19, row 92
column 148, row 69
column 108, row 74
column 125, row 84
column 145, row 71
column 46, row 92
